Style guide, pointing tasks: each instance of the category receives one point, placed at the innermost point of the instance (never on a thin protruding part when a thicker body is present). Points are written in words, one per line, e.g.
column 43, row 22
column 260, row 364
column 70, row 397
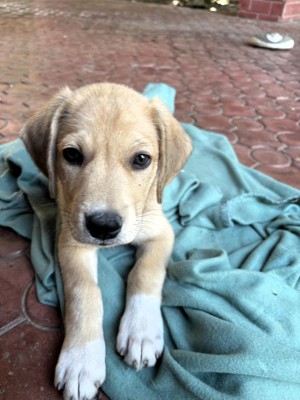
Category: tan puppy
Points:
column 108, row 153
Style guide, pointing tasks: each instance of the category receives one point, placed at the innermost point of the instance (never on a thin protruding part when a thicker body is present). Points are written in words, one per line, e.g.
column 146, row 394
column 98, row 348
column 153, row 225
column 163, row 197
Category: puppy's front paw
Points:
column 140, row 337
column 81, row 370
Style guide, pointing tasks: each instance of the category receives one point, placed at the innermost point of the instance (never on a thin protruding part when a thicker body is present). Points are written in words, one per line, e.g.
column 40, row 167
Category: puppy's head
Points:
column 108, row 152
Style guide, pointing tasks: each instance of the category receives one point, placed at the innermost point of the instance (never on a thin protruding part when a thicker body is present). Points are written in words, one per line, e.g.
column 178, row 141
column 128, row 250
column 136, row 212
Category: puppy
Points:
column 108, row 152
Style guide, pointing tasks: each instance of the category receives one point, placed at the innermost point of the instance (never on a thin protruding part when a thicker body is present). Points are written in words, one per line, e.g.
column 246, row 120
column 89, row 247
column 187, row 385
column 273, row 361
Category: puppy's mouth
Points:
column 106, row 243
column 84, row 237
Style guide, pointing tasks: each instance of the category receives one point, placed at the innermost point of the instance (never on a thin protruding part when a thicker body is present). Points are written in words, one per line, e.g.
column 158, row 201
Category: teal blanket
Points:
column 231, row 301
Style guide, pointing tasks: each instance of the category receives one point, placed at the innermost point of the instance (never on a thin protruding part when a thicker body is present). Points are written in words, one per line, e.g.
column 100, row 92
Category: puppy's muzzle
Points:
column 104, row 225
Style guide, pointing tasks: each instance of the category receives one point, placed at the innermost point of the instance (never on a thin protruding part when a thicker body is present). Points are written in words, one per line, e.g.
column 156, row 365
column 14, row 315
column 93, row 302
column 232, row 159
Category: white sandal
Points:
column 274, row 41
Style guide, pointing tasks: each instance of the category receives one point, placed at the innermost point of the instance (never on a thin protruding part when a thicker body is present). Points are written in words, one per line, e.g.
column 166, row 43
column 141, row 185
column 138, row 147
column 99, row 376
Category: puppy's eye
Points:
column 141, row 161
column 73, row 156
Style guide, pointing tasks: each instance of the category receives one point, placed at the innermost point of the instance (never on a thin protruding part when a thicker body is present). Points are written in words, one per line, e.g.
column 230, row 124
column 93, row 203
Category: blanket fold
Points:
column 231, row 300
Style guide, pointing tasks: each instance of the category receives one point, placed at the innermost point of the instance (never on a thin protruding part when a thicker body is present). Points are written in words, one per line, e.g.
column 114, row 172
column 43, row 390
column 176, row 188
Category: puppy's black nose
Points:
column 104, row 225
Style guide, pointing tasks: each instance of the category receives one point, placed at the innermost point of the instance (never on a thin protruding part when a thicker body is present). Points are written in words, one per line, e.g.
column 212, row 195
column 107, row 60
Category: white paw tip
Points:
column 81, row 371
column 140, row 338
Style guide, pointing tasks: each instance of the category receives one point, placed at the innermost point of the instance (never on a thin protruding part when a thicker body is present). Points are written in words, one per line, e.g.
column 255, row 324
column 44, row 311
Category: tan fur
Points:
column 109, row 124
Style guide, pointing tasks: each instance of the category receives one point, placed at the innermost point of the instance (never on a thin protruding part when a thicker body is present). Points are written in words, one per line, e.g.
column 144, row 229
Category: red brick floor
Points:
column 250, row 95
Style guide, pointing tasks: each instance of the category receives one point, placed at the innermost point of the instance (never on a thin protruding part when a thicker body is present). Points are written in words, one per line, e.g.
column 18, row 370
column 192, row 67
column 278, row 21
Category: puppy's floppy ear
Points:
column 39, row 135
column 174, row 145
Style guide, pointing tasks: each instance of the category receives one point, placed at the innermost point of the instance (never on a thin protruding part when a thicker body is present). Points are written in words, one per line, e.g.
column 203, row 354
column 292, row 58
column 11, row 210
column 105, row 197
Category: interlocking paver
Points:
column 28, row 362
column 16, row 273
column 250, row 95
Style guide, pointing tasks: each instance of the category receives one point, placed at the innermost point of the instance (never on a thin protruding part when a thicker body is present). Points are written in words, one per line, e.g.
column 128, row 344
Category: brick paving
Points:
column 250, row 95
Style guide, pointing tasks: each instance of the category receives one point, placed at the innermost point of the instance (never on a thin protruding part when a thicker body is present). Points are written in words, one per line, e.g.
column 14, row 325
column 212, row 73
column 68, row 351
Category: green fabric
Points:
column 231, row 301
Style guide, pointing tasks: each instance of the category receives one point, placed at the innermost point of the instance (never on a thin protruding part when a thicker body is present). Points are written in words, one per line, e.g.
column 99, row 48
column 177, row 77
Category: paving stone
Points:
column 289, row 138
column 275, row 125
column 16, row 274
column 213, row 123
column 294, row 153
column 271, row 157
column 247, row 124
column 207, row 109
column 12, row 246
column 271, row 112
column 28, row 358
column 242, row 111
column 258, row 138
column 243, row 152
column 39, row 315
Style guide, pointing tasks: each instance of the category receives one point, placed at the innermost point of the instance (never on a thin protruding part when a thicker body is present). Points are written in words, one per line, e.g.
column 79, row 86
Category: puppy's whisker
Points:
column 48, row 204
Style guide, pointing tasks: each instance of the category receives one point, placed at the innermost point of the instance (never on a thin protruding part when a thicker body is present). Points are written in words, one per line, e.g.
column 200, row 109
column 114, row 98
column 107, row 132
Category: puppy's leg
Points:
column 140, row 337
column 81, row 366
